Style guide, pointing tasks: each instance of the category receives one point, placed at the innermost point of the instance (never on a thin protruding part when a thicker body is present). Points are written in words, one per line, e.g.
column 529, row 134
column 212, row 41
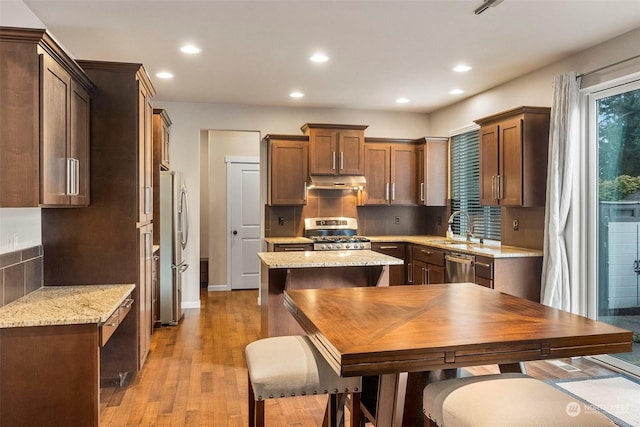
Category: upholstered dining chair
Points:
column 285, row 366
column 504, row 400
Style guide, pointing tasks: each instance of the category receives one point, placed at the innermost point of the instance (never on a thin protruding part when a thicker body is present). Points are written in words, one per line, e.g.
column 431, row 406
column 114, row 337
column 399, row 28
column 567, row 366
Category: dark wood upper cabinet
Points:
column 335, row 149
column 390, row 171
column 513, row 157
column 432, row 165
column 287, row 169
column 44, row 123
column 161, row 128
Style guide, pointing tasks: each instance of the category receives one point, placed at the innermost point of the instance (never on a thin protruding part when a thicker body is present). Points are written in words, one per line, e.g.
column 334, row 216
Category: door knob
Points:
column 235, row 232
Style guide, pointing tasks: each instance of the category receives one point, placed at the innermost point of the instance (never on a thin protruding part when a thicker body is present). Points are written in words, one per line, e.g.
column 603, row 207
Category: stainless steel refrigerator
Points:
column 174, row 235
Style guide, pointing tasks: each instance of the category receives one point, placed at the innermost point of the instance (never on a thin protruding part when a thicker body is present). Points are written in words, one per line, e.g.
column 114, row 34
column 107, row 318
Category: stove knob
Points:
column 348, row 246
column 323, row 247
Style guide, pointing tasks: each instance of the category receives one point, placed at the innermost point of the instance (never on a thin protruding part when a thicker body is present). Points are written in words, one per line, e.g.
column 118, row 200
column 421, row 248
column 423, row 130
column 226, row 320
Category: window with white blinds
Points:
column 465, row 189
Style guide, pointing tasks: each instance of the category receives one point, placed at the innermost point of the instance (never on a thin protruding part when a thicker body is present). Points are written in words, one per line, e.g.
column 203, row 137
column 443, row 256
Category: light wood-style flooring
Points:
column 195, row 374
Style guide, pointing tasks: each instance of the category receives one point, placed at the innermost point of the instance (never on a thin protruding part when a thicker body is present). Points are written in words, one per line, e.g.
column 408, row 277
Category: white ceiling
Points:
column 256, row 52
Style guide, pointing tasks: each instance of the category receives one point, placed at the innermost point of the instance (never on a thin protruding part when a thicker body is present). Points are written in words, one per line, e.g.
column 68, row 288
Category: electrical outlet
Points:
column 280, row 220
column 397, row 220
column 439, row 220
column 516, row 224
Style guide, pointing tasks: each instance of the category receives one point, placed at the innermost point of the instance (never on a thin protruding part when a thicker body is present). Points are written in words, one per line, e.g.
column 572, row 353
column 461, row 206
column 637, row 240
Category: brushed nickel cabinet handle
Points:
column 388, row 247
column 422, row 191
column 333, row 160
column 482, row 264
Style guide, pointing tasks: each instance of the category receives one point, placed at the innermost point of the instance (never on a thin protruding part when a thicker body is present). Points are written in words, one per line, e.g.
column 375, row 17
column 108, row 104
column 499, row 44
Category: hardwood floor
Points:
column 195, row 373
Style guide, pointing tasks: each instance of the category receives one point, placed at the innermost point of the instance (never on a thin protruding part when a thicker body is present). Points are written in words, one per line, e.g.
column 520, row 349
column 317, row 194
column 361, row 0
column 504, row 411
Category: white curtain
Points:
column 563, row 144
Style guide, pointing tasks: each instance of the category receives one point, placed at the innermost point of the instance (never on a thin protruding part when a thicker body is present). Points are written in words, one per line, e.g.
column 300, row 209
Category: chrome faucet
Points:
column 469, row 233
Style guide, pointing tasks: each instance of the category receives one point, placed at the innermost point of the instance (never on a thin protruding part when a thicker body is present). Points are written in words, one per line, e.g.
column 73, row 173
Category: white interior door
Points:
column 243, row 201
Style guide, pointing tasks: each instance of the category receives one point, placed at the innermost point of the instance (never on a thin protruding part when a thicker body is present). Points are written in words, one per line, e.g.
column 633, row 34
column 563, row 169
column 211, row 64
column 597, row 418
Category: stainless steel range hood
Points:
column 336, row 182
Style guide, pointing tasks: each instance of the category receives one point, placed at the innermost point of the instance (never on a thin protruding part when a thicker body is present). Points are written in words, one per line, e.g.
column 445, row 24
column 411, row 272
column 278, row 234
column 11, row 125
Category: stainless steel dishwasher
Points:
column 459, row 268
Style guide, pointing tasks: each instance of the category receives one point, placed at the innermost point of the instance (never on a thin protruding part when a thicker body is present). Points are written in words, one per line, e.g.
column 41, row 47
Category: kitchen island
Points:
column 280, row 271
column 50, row 343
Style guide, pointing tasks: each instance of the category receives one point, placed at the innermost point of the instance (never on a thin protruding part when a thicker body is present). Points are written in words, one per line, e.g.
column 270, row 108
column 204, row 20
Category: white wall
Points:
column 533, row 89
column 188, row 121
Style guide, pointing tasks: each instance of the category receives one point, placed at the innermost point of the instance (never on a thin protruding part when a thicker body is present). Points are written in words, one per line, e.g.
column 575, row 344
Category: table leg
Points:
column 391, row 394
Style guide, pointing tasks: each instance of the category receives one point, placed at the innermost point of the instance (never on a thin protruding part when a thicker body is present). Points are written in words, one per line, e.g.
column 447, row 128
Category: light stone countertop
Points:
column 287, row 240
column 64, row 305
column 309, row 259
column 457, row 245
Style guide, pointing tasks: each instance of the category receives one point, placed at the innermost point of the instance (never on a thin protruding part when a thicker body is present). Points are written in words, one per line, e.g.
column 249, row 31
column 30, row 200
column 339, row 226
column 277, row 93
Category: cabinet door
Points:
column 397, row 274
column 403, row 173
column 351, row 153
column 376, row 172
column 435, row 274
column 511, row 162
column 489, row 165
column 166, row 136
column 323, row 152
column 432, row 173
column 79, row 146
column 145, row 298
column 419, row 272
column 54, row 173
column 145, row 156
column 288, row 170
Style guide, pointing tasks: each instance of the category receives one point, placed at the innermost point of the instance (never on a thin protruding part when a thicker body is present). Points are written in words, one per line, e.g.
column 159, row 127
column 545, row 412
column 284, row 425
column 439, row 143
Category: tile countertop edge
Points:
column 64, row 305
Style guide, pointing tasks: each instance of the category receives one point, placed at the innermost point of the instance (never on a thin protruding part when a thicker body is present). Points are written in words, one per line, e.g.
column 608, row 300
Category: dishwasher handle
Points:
column 461, row 259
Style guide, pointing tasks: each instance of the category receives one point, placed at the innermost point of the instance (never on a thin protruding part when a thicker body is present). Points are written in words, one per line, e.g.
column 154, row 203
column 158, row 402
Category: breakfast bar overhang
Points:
column 280, row 271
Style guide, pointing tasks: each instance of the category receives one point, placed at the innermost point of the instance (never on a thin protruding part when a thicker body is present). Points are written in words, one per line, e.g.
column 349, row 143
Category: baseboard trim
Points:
column 213, row 288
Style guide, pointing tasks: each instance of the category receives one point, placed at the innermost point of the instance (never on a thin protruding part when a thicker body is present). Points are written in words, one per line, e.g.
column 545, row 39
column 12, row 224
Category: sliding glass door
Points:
column 614, row 129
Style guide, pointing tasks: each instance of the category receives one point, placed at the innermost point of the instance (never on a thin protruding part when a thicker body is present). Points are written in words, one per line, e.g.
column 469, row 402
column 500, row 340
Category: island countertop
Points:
column 310, row 259
column 64, row 305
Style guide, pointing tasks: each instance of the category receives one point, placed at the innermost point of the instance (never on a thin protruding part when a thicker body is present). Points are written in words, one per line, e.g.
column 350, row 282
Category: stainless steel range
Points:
column 334, row 234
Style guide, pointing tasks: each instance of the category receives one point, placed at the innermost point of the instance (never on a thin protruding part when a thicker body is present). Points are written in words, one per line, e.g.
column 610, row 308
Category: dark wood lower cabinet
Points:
column 50, row 376
column 397, row 273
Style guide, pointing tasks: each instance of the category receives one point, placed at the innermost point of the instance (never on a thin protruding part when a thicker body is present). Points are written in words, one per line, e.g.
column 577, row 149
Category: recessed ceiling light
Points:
column 296, row 94
column 319, row 57
column 402, row 100
column 456, row 91
column 461, row 68
column 191, row 49
column 164, row 75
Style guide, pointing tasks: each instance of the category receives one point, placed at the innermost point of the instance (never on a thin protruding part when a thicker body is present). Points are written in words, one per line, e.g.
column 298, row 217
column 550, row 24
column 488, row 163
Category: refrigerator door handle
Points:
column 184, row 213
column 182, row 267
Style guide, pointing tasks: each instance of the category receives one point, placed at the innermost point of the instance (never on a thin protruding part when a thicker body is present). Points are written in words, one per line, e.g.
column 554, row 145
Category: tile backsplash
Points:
column 288, row 221
column 20, row 273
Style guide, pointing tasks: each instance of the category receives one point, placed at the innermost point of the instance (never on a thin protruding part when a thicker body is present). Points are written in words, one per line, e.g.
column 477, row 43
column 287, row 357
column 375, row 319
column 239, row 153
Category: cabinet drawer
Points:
column 487, row 283
column 484, row 267
column 293, row 247
column 112, row 323
column 396, row 250
column 428, row 254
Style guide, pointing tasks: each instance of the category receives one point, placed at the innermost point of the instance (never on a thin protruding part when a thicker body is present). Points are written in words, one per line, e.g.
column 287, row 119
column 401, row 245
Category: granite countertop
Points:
column 348, row 258
column 287, row 240
column 457, row 245
column 64, row 305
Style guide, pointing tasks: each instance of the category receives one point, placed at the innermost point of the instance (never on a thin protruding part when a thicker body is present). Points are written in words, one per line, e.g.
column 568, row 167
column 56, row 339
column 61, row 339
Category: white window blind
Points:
column 465, row 189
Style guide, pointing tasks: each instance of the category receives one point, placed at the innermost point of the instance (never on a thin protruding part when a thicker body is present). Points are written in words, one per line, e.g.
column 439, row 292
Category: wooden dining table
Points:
column 390, row 331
